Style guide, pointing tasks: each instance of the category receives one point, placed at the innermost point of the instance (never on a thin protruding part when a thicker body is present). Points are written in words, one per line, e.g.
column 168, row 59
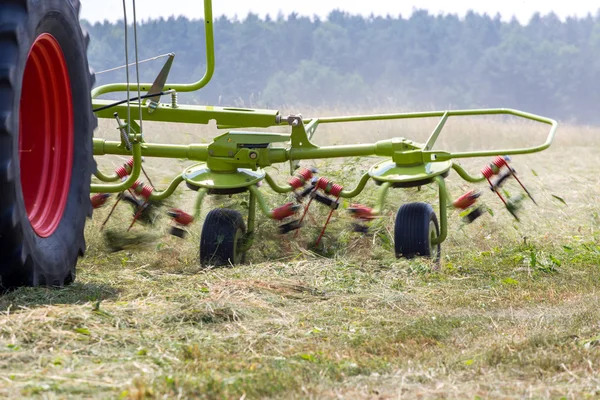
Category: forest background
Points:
column 547, row 66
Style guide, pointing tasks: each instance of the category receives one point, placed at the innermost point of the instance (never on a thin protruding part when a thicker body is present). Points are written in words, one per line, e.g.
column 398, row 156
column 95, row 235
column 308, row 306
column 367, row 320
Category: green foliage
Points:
column 309, row 79
column 547, row 66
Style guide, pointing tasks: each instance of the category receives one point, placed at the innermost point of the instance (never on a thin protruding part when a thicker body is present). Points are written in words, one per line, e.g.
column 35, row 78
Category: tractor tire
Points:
column 46, row 130
column 222, row 238
column 416, row 226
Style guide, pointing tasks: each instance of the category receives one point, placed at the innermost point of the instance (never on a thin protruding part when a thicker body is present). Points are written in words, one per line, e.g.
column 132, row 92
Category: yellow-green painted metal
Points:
column 196, row 152
column 106, row 178
column 199, row 200
column 383, row 191
column 348, row 194
column 127, row 183
column 276, row 187
column 161, row 195
column 389, row 171
column 257, row 195
column 402, row 151
column 201, row 176
column 465, row 175
column 210, row 65
column 443, row 198
column 236, row 159
column 225, row 117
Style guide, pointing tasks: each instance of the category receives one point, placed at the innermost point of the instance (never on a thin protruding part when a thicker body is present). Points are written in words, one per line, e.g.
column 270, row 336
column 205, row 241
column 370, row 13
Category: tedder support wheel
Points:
column 222, row 237
column 46, row 127
column 416, row 227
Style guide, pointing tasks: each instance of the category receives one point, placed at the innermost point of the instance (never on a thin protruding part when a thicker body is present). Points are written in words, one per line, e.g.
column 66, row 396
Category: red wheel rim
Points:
column 45, row 135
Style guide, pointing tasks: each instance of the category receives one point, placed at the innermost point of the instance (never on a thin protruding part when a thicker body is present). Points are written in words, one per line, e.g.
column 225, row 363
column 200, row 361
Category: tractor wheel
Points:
column 222, row 238
column 46, row 126
column 416, row 227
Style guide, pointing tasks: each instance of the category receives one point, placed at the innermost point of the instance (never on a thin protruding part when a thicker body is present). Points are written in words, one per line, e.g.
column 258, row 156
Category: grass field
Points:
column 513, row 311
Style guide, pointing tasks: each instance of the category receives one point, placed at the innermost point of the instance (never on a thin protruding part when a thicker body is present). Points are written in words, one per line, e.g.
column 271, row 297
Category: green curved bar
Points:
column 443, row 198
column 168, row 191
column 383, row 191
column 533, row 117
column 444, row 156
column 465, row 175
column 198, row 207
column 210, row 65
column 277, row 188
column 260, row 200
column 359, row 187
column 105, row 178
column 344, row 193
column 126, row 184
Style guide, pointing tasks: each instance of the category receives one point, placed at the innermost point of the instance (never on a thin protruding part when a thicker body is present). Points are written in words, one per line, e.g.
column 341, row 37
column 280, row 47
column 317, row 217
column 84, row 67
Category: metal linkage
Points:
column 99, row 199
column 298, row 184
column 124, row 170
column 181, row 219
column 329, row 188
column 466, row 203
column 499, row 167
column 363, row 215
column 138, row 196
column 301, row 178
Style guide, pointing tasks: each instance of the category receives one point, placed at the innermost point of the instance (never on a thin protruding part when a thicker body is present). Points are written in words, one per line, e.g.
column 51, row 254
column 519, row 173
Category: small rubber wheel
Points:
column 415, row 230
column 46, row 129
column 222, row 237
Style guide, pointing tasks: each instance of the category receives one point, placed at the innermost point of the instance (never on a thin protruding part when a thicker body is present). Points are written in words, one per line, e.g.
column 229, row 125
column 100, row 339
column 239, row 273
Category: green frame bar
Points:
column 210, row 65
column 266, row 118
column 443, row 201
column 230, row 117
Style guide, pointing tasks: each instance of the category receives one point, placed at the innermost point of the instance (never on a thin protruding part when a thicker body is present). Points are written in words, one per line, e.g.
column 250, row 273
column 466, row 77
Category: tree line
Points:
column 546, row 66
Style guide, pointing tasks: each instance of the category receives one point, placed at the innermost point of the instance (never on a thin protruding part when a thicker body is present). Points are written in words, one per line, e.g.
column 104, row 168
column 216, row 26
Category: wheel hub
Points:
column 45, row 135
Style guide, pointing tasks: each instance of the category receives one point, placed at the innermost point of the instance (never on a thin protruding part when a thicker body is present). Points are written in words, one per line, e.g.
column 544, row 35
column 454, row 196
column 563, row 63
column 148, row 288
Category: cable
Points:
column 117, row 103
column 137, row 69
column 141, row 62
column 127, row 70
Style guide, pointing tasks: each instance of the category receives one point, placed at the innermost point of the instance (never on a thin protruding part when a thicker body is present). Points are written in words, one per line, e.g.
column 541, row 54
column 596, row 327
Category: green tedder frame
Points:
column 234, row 162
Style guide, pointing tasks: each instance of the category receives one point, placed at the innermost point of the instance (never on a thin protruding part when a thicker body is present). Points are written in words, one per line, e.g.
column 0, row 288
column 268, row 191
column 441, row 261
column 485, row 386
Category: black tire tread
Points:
column 18, row 267
column 11, row 245
column 217, row 239
column 411, row 230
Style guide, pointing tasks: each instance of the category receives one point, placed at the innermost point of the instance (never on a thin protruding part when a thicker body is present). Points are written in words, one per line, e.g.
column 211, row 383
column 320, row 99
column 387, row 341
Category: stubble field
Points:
column 513, row 311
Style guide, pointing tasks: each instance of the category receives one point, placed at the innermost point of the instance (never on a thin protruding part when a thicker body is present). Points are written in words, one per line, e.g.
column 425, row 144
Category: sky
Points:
column 112, row 10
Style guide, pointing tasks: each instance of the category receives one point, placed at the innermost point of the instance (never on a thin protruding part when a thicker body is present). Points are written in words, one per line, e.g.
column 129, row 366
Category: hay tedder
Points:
column 47, row 150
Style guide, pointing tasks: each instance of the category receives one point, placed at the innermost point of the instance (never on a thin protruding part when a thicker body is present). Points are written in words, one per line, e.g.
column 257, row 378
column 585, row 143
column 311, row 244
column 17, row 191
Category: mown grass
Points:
column 512, row 312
